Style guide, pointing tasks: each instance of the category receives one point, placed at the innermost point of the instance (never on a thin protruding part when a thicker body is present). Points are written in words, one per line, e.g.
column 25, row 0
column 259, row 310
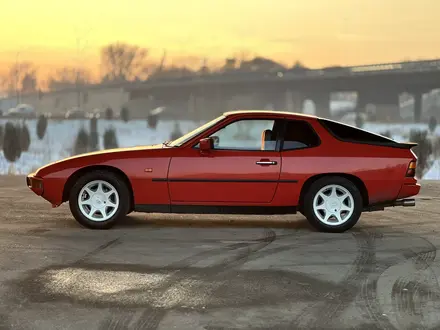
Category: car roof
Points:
column 269, row 112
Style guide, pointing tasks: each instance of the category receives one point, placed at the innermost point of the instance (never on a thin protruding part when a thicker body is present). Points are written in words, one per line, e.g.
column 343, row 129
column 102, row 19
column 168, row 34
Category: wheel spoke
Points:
column 100, row 188
column 89, row 192
column 345, row 208
column 323, row 196
column 338, row 216
column 85, row 202
column 92, row 210
column 343, row 197
column 108, row 194
column 111, row 204
column 327, row 216
column 333, row 193
column 103, row 212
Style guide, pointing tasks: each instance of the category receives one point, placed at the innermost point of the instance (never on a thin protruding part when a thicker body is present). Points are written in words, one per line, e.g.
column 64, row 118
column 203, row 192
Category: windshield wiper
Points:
column 166, row 143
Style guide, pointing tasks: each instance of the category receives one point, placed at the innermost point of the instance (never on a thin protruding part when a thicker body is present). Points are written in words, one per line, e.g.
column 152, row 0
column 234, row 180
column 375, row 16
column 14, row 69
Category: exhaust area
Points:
column 405, row 202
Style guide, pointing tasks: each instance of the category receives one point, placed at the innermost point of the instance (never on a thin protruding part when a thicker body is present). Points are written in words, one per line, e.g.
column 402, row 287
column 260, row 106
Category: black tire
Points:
column 315, row 187
column 111, row 178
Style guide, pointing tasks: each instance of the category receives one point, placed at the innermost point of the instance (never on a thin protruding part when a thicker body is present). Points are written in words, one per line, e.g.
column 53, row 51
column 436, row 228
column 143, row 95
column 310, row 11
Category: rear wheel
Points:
column 333, row 204
column 99, row 199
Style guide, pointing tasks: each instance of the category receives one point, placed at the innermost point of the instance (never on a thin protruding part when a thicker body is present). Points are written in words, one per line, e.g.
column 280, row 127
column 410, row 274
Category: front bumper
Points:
column 35, row 184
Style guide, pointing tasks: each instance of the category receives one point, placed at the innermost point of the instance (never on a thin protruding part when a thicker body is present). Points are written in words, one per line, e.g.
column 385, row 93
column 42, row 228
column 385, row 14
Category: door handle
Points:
column 266, row 162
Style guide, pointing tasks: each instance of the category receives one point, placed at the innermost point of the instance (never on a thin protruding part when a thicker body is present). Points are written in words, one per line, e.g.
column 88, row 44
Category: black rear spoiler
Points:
column 406, row 145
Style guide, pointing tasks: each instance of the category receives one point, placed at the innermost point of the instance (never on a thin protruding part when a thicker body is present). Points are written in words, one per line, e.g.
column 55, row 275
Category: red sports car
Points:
column 243, row 162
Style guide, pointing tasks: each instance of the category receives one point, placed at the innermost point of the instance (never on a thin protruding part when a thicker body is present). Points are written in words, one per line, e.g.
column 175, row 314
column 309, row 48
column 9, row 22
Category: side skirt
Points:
column 214, row 209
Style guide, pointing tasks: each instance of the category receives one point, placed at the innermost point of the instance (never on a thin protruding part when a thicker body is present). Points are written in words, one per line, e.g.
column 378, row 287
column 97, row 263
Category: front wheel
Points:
column 99, row 199
column 333, row 204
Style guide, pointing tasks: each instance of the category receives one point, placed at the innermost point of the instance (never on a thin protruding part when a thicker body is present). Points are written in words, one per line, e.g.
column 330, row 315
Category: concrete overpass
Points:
column 378, row 84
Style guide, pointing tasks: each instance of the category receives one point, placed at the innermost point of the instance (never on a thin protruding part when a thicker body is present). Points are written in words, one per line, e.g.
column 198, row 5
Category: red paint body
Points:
column 381, row 169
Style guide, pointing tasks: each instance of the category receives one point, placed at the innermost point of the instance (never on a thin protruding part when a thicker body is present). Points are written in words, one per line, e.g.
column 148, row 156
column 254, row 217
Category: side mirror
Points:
column 206, row 144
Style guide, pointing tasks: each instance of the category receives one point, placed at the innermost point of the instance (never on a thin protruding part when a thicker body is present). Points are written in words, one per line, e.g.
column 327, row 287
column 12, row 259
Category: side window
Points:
column 299, row 135
column 255, row 134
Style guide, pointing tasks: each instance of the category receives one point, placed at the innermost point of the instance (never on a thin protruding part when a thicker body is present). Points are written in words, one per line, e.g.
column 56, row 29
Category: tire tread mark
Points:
column 365, row 260
column 405, row 290
column 151, row 318
column 99, row 249
column 368, row 292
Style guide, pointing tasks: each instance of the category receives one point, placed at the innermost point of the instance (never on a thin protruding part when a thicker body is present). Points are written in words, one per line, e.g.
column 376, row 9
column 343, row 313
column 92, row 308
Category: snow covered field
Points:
column 60, row 137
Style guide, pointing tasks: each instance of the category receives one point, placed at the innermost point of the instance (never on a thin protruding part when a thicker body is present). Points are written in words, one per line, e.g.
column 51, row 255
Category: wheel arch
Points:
column 80, row 172
column 356, row 181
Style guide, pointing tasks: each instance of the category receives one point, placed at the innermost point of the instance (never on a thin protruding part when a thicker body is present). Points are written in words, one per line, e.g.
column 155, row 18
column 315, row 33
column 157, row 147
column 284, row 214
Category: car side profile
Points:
column 242, row 162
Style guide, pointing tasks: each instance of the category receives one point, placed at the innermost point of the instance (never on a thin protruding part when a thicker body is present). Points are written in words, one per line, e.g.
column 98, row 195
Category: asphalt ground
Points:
column 215, row 272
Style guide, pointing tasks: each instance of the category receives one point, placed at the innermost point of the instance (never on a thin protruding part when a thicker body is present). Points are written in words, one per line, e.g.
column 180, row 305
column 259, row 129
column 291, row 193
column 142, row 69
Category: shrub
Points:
column 432, row 124
column 11, row 143
column 176, row 133
column 81, row 142
column 25, row 138
column 1, row 135
column 41, row 126
column 110, row 139
column 93, row 138
column 152, row 121
column 109, row 113
column 423, row 150
column 125, row 114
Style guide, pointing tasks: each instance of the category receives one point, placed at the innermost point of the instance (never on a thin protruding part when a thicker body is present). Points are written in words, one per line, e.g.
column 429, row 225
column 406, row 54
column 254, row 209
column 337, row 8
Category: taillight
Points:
column 411, row 171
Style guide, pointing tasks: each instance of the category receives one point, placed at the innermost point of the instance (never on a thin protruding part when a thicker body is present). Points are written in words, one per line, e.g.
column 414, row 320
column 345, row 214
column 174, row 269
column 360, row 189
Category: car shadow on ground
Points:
column 204, row 221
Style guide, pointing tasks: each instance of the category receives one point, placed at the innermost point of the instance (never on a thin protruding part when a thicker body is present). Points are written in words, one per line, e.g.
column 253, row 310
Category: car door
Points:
column 242, row 168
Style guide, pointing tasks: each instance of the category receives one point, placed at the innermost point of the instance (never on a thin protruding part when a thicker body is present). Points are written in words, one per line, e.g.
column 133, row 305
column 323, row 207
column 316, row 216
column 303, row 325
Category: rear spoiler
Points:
column 406, row 145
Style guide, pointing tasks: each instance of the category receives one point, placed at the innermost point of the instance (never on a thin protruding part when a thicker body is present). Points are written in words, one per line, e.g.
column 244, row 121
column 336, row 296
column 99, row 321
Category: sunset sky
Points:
column 316, row 32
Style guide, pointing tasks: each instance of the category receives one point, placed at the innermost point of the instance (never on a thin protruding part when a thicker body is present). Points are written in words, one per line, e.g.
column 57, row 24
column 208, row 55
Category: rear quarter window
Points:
column 299, row 134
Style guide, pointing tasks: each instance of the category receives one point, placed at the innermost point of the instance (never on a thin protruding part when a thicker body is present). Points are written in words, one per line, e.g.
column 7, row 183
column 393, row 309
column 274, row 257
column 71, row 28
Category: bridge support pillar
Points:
column 294, row 101
column 361, row 102
column 192, row 104
column 386, row 104
column 289, row 101
column 418, row 103
column 322, row 105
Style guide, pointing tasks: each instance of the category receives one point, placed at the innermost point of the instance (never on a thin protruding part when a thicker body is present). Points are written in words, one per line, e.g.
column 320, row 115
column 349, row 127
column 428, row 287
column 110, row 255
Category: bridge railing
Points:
column 236, row 76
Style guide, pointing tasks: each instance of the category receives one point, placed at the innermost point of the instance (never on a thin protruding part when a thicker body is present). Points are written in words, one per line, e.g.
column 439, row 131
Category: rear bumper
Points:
column 408, row 190
column 35, row 184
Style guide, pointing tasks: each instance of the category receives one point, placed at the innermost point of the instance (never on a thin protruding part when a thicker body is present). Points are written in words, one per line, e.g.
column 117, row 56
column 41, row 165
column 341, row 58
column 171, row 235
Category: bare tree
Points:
column 243, row 56
column 3, row 83
column 261, row 64
column 173, row 72
column 124, row 62
column 69, row 77
column 22, row 77
column 204, row 69
column 29, row 83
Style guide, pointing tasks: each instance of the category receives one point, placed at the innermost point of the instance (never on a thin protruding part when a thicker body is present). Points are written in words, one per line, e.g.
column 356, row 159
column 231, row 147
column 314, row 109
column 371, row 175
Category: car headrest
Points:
column 266, row 135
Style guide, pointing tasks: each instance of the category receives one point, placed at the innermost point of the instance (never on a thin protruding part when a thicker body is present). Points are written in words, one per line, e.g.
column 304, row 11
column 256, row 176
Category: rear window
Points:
column 353, row 134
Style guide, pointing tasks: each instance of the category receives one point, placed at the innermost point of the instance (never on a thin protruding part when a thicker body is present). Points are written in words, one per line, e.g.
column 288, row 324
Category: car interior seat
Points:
column 267, row 141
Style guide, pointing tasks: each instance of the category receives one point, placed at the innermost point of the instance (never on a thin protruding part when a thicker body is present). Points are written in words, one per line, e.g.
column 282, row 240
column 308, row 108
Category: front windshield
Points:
column 197, row 131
